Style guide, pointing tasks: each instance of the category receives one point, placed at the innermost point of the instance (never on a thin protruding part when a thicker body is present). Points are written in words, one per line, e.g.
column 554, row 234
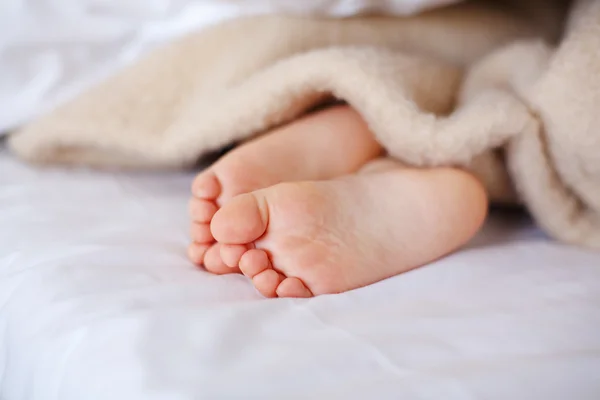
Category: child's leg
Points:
column 323, row 145
column 311, row 238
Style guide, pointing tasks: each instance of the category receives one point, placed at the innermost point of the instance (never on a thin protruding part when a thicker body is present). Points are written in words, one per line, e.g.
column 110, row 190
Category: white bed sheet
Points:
column 98, row 301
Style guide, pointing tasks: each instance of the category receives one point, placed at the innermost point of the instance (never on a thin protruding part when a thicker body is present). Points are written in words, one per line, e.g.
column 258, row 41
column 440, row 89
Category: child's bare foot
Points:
column 310, row 238
column 323, row 145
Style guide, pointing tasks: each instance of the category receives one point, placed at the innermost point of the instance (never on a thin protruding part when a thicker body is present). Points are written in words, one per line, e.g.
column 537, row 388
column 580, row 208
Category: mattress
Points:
column 98, row 301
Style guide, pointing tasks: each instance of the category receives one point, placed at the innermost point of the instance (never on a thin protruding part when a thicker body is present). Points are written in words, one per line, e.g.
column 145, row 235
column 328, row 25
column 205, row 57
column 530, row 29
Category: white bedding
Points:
column 97, row 301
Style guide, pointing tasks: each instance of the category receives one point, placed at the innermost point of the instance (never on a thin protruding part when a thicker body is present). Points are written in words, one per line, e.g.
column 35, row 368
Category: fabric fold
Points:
column 473, row 85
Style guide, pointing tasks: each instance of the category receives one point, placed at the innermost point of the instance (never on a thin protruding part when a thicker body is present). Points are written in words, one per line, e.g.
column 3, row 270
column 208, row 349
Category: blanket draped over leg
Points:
column 509, row 90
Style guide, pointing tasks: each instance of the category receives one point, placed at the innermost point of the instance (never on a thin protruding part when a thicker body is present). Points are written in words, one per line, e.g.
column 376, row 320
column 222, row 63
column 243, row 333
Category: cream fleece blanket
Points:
column 510, row 91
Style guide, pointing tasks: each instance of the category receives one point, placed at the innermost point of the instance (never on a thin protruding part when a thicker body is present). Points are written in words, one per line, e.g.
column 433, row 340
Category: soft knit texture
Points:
column 509, row 90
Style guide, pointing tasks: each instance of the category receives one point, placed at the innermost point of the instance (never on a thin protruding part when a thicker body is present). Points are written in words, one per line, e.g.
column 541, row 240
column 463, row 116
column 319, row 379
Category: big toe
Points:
column 243, row 219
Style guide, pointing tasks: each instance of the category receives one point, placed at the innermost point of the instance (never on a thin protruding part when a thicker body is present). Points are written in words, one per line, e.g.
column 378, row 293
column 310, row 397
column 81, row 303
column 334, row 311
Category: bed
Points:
column 98, row 301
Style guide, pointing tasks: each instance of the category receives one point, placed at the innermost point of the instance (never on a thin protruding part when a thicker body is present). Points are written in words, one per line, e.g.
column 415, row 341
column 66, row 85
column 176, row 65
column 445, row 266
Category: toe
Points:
column 196, row 252
column 200, row 233
column 232, row 253
column 206, row 186
column 267, row 281
column 293, row 287
column 213, row 262
column 243, row 219
column 202, row 210
column 253, row 262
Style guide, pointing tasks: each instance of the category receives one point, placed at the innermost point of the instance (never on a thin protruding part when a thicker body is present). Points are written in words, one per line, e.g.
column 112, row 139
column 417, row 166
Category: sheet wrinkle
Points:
column 12, row 292
column 30, row 265
column 69, row 351
column 379, row 356
column 504, row 362
column 7, row 297
column 461, row 368
column 108, row 362
column 9, row 260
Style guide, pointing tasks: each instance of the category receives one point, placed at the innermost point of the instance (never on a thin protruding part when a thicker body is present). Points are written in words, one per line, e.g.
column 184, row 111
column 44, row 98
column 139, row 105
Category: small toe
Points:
column 243, row 219
column 267, row 281
column 253, row 262
column 293, row 287
column 232, row 253
column 202, row 210
column 200, row 233
column 213, row 262
column 206, row 186
column 196, row 253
